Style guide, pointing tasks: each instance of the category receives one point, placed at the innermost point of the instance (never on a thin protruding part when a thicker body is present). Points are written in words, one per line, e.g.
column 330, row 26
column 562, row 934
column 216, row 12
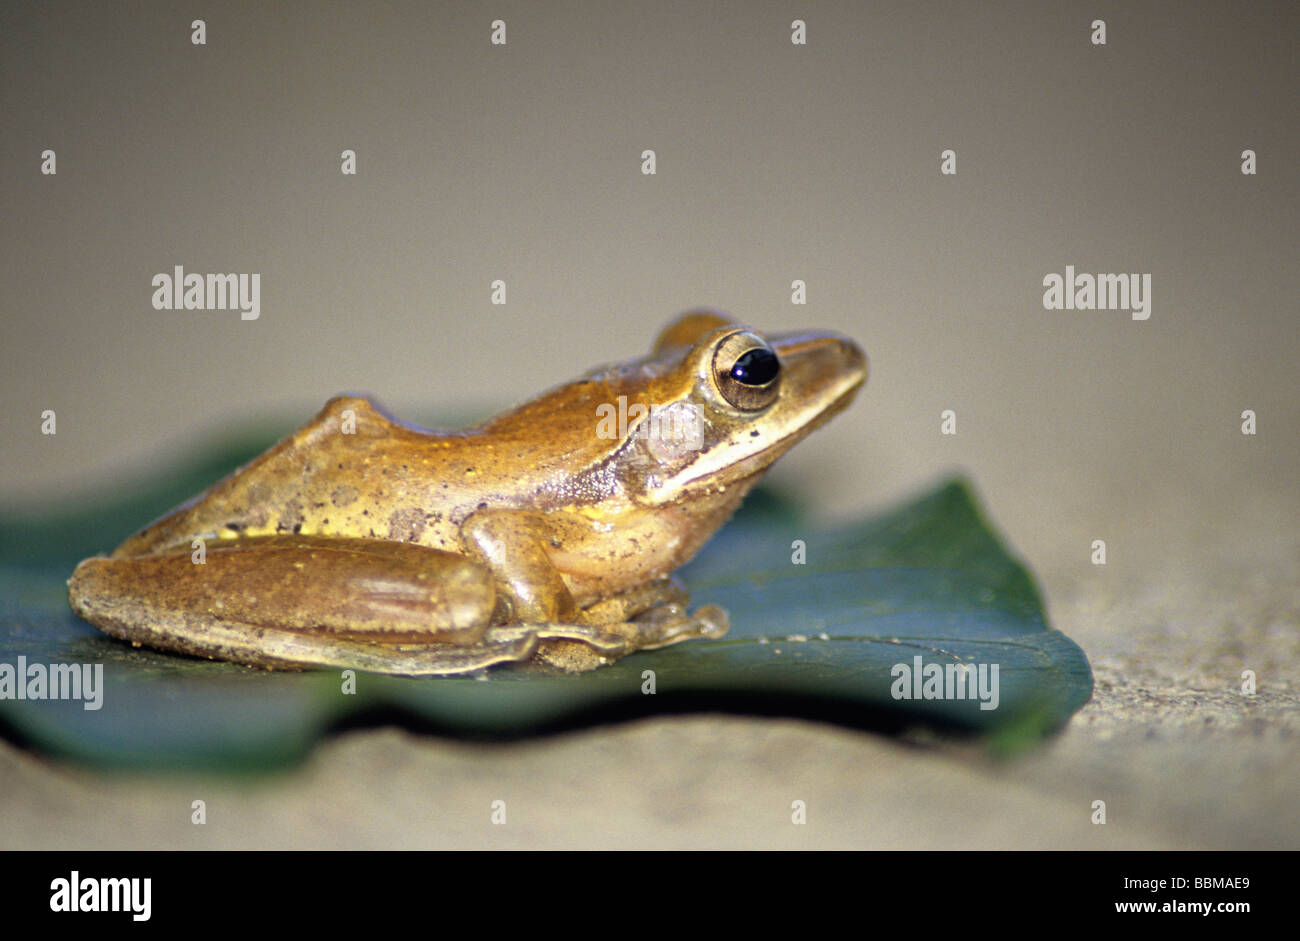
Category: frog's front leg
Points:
column 531, row 590
column 596, row 640
column 654, row 615
column 638, row 600
column 646, row 617
column 294, row 601
column 513, row 546
column 582, row 647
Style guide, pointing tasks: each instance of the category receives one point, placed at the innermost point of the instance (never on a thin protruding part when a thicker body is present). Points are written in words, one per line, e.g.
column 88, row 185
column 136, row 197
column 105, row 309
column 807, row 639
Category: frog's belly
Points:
column 600, row 558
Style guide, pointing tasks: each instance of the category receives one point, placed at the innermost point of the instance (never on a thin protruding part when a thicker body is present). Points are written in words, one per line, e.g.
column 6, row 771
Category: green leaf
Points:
column 825, row 639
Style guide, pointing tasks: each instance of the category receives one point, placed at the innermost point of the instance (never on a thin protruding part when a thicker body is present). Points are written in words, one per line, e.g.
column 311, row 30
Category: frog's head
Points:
column 724, row 401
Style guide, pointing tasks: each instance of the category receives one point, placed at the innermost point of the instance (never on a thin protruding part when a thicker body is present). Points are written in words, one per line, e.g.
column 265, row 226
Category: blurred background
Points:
column 775, row 162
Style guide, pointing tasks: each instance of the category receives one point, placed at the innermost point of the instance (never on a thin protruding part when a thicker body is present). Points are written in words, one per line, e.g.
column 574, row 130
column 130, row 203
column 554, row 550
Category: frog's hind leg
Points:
column 289, row 602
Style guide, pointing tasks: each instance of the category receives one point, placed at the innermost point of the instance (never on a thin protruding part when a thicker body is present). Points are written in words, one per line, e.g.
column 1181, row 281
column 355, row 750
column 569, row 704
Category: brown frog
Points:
column 547, row 534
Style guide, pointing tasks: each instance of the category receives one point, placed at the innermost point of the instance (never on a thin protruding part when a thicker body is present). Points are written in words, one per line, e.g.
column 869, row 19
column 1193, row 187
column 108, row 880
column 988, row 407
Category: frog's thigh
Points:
column 346, row 592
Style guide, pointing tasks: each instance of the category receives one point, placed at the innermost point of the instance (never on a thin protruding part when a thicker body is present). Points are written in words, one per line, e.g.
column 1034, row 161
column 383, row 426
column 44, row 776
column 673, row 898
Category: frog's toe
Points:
column 670, row 624
column 711, row 621
column 568, row 655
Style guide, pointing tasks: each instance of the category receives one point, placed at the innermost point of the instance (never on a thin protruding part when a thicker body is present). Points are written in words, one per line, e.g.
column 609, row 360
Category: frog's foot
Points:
column 638, row 601
column 579, row 648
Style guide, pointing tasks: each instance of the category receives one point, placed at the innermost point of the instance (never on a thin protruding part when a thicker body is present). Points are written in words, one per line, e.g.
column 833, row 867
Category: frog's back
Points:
column 347, row 472
column 354, row 470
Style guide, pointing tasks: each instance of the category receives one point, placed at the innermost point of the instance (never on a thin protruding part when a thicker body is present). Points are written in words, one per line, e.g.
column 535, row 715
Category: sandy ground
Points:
column 1181, row 758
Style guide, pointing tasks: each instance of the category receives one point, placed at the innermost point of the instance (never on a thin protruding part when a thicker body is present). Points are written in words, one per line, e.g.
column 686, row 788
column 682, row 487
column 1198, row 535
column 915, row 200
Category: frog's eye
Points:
column 746, row 371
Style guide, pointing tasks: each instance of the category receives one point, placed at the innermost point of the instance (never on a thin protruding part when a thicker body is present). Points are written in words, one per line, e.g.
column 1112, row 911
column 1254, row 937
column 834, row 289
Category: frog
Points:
column 544, row 538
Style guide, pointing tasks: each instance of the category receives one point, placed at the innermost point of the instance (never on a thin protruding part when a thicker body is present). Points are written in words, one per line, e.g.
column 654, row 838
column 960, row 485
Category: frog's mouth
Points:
column 759, row 461
column 821, row 375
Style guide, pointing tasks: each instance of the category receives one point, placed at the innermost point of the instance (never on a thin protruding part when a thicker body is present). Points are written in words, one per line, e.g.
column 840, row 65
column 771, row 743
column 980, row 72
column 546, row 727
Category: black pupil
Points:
column 758, row 367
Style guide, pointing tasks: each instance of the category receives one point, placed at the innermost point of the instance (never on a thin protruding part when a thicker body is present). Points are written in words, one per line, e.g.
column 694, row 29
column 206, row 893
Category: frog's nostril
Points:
column 853, row 356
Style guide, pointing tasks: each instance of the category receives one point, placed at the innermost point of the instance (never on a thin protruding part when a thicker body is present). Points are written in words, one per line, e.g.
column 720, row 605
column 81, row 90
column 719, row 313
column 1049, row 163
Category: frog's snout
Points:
column 826, row 367
column 853, row 359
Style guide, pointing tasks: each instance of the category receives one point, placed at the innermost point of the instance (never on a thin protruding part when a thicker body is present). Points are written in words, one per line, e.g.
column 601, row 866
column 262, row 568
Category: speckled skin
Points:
column 398, row 542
